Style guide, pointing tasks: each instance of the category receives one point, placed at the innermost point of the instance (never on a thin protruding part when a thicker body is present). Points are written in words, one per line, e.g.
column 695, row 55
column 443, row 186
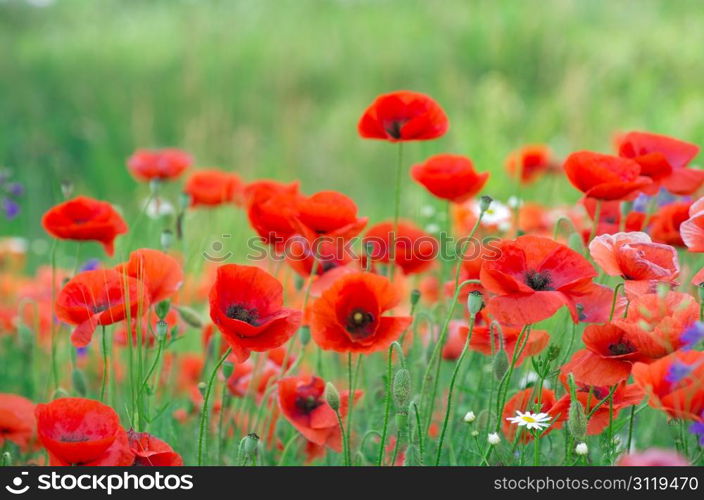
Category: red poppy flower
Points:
column 152, row 451
column 246, row 306
column 681, row 395
column 414, row 250
column 302, row 403
column 403, row 116
column 590, row 396
column 527, row 400
column 605, row 177
column 161, row 273
column 348, row 315
column 664, row 159
column 608, row 358
column 692, row 230
column 534, row 277
column 329, row 213
column 77, row 431
column 85, row 219
column 160, row 164
column 653, row 457
column 213, row 187
column 530, row 162
column 17, row 421
column 655, row 323
column 665, row 223
column 639, row 261
column 272, row 208
column 482, row 342
column 324, row 253
column 449, row 177
column 95, row 298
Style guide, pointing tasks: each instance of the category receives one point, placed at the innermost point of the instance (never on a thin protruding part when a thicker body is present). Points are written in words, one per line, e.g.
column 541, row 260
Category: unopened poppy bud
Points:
column 475, row 302
column 500, row 366
column 166, row 239
column 415, row 297
column 79, row 382
column 469, row 417
column 305, row 335
column 190, row 316
column 575, row 242
column 161, row 329
column 493, row 439
column 227, row 368
column 162, row 309
column 577, row 420
column 485, row 203
column 401, row 389
column 332, row 396
column 66, row 188
column 581, row 449
column 201, row 388
column 248, row 445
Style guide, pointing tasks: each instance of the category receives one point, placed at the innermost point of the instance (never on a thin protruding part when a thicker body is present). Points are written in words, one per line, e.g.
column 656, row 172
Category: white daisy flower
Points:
column 530, row 421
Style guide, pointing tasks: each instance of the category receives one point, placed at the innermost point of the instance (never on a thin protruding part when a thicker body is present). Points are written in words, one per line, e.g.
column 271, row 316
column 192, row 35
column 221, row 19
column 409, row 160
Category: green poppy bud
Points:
column 475, row 302
column 401, row 389
column 332, row 396
column 162, row 309
column 190, row 316
column 500, row 366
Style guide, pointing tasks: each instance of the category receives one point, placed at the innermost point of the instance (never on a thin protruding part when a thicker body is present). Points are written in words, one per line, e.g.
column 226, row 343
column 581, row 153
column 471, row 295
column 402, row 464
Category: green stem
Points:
column 204, row 410
column 105, row 363
column 387, row 407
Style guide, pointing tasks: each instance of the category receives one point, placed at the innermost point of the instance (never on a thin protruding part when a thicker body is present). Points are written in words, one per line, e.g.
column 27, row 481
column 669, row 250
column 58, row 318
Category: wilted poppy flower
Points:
column 590, row 396
column 605, row 177
column 482, row 341
column 655, row 322
column 17, row 421
column 530, row 162
column 528, row 400
column 213, row 187
column 77, row 431
column 160, row 164
column 449, row 177
column 161, row 273
column 692, row 229
column 348, row 315
column 403, row 116
column 675, row 384
column 272, row 208
column 151, row 451
column 653, row 457
column 100, row 297
column 634, row 257
column 246, row 304
column 85, row 219
column 665, row 223
column 303, row 404
column 607, row 359
column 534, row 277
column 414, row 250
column 664, row 159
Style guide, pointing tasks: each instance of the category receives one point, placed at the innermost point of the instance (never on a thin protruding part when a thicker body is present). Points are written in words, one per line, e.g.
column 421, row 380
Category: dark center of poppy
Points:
column 622, row 347
column 393, row 128
column 73, row 438
column 98, row 308
column 307, row 403
column 242, row 313
column 359, row 322
column 538, row 281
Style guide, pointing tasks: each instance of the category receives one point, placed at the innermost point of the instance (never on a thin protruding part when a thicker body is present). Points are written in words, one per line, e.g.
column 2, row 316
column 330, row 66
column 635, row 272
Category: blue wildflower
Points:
column 692, row 335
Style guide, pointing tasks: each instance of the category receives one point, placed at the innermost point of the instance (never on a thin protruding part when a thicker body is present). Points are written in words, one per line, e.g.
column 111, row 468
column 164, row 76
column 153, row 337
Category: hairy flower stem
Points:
column 617, row 288
column 397, row 208
column 387, row 406
column 204, row 409
column 448, row 409
column 521, row 343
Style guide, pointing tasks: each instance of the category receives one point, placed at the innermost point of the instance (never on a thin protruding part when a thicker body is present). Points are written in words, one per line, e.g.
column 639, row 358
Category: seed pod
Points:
column 332, row 396
column 415, row 297
column 475, row 302
column 227, row 368
column 201, row 388
column 401, row 390
column 162, row 309
column 305, row 335
column 161, row 329
column 190, row 316
column 485, row 203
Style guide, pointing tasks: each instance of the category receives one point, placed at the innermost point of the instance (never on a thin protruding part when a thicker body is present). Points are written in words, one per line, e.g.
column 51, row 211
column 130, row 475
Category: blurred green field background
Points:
column 274, row 88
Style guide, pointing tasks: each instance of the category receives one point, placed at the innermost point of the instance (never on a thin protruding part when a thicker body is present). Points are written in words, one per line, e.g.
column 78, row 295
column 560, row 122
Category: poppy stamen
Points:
column 243, row 314
column 623, row 347
column 538, row 281
column 393, row 128
column 359, row 322
column 307, row 404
